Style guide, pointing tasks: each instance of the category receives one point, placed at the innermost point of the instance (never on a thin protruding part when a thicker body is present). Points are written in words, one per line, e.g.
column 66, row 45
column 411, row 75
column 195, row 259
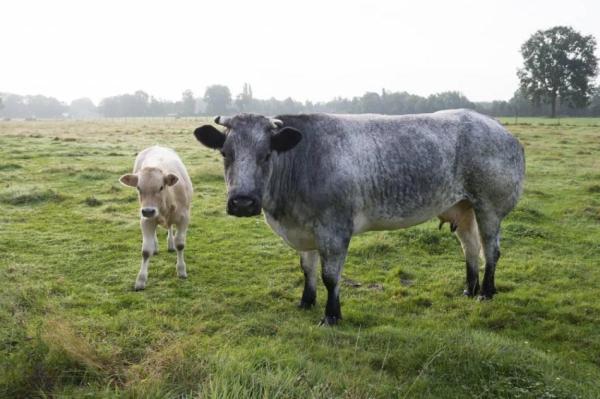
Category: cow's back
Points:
column 393, row 171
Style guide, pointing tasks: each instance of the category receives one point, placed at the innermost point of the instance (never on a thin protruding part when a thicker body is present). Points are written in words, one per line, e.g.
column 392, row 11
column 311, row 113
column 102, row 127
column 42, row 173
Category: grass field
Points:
column 72, row 326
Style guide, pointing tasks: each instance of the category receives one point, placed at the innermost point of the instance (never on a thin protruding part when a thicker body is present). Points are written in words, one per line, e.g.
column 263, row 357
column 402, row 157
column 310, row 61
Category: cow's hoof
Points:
column 470, row 294
column 171, row 250
column 306, row 305
column 182, row 276
column 139, row 287
column 484, row 297
column 330, row 321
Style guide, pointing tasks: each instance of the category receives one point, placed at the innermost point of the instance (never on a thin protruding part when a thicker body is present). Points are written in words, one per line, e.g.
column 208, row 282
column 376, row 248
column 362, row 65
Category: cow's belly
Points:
column 297, row 237
column 370, row 220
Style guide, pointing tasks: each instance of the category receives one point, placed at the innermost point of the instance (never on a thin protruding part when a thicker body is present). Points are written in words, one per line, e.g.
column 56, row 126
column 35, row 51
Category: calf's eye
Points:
column 161, row 188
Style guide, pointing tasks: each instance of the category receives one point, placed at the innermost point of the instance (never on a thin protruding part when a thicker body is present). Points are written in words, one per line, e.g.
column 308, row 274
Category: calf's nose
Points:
column 148, row 212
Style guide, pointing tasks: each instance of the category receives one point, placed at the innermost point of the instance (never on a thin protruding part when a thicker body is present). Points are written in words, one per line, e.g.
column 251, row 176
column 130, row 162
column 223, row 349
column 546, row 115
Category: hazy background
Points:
column 308, row 50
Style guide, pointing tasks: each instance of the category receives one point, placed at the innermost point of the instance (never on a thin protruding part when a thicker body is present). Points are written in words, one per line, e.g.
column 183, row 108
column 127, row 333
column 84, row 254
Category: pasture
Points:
column 72, row 326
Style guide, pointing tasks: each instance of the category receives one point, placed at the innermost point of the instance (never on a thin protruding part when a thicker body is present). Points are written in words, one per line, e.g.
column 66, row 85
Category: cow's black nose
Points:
column 243, row 205
column 148, row 212
column 243, row 202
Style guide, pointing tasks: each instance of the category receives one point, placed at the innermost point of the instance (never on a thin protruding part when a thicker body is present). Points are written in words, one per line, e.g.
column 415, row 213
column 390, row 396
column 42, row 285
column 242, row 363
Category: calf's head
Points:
column 246, row 146
column 151, row 184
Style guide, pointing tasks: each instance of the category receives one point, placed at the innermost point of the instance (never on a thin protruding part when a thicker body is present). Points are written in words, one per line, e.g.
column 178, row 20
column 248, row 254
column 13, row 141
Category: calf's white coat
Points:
column 165, row 193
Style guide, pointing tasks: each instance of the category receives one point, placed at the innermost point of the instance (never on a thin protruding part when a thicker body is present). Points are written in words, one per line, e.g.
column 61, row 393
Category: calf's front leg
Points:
column 148, row 246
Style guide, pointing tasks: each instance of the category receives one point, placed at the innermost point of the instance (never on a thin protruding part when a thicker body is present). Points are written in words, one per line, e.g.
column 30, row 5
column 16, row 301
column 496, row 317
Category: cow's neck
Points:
column 278, row 190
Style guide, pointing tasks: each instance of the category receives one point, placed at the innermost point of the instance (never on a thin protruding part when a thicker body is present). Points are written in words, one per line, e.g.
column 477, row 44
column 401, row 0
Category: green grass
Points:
column 71, row 325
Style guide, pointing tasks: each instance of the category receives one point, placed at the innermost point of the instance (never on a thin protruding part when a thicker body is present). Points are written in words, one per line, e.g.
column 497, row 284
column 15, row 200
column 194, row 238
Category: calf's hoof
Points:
column 330, row 321
column 139, row 286
column 171, row 249
column 485, row 297
column 181, row 273
column 306, row 304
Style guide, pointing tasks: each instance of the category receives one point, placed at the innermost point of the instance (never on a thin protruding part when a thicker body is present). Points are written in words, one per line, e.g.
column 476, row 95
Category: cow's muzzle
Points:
column 242, row 205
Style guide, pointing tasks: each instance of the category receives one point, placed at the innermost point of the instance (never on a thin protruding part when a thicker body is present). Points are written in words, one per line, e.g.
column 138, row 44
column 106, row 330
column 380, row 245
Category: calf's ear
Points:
column 209, row 136
column 285, row 139
column 130, row 180
column 171, row 179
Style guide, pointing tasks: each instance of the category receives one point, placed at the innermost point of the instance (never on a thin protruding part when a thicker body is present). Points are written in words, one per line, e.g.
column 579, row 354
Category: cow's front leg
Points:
column 308, row 263
column 333, row 247
column 180, row 245
column 148, row 241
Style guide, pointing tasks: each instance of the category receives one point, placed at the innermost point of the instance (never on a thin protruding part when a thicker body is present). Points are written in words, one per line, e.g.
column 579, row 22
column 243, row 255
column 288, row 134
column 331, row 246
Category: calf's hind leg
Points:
column 179, row 241
column 170, row 240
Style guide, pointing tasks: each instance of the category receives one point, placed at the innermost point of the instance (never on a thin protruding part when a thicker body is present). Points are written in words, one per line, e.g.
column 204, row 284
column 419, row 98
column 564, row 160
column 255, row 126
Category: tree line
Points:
column 217, row 100
column 559, row 65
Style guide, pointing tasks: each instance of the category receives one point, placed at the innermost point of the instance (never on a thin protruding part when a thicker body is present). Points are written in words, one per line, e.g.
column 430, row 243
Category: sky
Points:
column 307, row 50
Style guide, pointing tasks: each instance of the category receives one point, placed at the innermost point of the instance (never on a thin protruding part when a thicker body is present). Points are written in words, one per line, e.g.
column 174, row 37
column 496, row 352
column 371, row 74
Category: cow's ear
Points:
column 285, row 139
column 210, row 137
column 129, row 180
column 171, row 179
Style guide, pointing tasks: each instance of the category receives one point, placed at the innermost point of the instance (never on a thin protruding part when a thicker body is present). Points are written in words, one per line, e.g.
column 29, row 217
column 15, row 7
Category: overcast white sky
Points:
column 304, row 49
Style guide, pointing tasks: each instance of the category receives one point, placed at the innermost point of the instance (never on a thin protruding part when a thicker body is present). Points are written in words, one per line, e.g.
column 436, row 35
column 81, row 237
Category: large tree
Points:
column 218, row 99
column 559, row 63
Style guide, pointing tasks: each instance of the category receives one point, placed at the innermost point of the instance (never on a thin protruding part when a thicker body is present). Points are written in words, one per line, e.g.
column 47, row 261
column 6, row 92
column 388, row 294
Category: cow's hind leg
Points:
column 489, row 230
column 180, row 236
column 308, row 263
column 170, row 240
column 148, row 247
column 468, row 234
column 463, row 222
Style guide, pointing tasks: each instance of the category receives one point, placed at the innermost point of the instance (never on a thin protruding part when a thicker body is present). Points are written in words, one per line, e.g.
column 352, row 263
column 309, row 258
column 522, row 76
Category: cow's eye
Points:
column 267, row 157
column 137, row 188
column 223, row 153
column 161, row 188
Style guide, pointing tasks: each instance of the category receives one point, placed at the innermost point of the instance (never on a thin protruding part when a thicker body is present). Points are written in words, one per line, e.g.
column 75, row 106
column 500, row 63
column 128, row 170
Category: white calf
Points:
column 165, row 193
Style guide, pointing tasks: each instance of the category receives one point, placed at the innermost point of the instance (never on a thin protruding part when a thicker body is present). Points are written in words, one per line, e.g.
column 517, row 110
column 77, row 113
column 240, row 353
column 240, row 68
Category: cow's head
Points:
column 246, row 146
column 151, row 184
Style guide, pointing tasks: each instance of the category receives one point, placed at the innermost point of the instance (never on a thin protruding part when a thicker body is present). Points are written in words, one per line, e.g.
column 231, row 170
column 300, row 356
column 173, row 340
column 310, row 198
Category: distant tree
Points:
column 244, row 100
column 82, row 108
column 371, row 103
column 188, row 103
column 559, row 63
column 218, row 100
column 136, row 104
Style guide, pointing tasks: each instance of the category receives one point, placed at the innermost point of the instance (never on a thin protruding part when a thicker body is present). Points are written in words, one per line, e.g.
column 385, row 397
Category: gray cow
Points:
column 321, row 179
